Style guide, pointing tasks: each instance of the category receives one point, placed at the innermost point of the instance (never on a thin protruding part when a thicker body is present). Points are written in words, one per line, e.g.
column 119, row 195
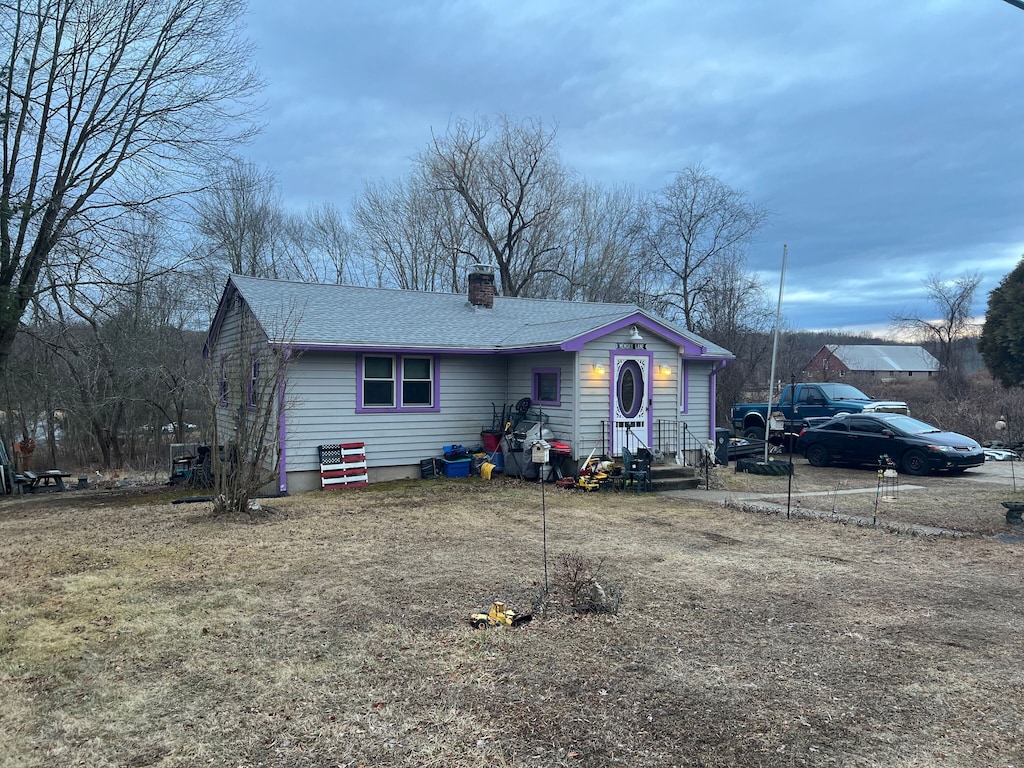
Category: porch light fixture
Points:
column 634, row 335
column 599, row 369
column 665, row 370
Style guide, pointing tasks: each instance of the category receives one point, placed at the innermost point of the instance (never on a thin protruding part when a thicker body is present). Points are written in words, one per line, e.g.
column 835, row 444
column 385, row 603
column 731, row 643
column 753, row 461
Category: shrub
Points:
column 577, row 575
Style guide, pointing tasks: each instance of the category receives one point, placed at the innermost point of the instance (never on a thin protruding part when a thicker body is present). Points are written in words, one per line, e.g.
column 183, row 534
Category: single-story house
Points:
column 882, row 361
column 407, row 372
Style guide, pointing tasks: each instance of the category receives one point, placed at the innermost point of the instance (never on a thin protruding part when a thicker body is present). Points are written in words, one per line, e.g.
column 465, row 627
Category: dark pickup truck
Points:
column 799, row 402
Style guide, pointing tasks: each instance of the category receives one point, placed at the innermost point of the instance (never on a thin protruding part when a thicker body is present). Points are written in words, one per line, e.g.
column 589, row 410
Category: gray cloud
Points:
column 884, row 136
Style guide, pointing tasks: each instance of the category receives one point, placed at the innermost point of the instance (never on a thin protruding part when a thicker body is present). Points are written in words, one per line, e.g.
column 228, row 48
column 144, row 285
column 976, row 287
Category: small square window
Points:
column 546, row 387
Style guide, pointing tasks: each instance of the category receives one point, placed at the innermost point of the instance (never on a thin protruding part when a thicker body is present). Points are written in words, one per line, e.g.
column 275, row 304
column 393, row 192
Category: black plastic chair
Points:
column 636, row 471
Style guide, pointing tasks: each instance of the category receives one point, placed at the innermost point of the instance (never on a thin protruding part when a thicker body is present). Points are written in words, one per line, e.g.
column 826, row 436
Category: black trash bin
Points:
column 722, row 446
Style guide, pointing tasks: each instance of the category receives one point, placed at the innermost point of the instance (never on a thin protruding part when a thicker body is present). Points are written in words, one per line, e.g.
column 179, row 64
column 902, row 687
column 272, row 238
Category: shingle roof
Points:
column 882, row 357
column 323, row 315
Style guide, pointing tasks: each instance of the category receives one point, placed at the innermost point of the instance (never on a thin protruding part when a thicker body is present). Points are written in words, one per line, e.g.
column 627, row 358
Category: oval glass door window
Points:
column 629, row 389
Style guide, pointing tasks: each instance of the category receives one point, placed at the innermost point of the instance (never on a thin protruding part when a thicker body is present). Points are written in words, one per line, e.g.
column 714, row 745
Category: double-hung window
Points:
column 417, row 382
column 398, row 383
column 378, row 382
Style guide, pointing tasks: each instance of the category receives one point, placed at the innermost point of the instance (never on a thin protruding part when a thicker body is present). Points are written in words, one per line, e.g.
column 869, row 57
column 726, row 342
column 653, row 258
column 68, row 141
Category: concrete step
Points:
column 671, row 471
column 674, row 477
column 676, row 484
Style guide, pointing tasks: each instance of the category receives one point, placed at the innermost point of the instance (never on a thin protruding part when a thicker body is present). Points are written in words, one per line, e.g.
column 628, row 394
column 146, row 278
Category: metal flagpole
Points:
column 775, row 352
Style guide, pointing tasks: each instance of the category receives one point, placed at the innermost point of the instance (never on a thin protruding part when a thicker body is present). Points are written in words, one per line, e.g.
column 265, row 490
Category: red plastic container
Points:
column 491, row 440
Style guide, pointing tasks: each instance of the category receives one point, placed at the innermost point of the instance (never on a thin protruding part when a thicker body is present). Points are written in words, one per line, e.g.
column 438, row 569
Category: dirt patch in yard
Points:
column 334, row 632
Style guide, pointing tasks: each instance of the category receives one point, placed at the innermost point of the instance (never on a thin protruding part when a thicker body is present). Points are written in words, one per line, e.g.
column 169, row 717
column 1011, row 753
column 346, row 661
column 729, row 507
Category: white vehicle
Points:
column 169, row 428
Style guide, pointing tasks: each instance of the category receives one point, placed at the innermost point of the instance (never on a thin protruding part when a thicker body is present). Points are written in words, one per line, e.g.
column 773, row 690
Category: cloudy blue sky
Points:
column 887, row 138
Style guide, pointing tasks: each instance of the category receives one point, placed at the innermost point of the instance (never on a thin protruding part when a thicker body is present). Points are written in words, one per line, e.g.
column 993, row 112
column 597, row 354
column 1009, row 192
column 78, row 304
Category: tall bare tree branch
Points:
column 108, row 106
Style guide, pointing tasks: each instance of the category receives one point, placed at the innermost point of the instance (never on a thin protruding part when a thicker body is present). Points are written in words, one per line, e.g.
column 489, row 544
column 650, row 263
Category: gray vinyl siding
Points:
column 559, row 418
column 237, row 345
column 697, row 417
column 321, row 399
column 221, row 358
column 594, row 408
column 665, row 410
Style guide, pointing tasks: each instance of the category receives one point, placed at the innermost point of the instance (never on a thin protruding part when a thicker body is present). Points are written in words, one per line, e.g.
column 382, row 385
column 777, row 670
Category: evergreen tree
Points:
column 1002, row 338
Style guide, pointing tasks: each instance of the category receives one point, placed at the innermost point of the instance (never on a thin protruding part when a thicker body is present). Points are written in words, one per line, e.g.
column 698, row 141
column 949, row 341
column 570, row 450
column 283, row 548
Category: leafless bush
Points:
column 577, row 575
column 972, row 412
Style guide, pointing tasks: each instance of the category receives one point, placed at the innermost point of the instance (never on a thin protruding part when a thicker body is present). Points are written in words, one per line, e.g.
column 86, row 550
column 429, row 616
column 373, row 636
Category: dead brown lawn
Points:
column 968, row 502
column 334, row 632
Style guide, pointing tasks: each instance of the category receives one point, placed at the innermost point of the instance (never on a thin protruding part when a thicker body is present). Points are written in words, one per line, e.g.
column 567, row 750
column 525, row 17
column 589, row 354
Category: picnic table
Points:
column 52, row 480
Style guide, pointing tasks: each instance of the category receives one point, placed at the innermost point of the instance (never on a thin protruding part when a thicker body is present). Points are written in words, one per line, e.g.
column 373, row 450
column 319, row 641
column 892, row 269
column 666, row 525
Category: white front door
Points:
column 631, row 393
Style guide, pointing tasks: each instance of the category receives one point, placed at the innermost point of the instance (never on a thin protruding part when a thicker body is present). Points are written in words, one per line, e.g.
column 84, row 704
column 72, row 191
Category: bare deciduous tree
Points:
column 107, row 106
column 413, row 235
column 115, row 319
column 246, row 375
column 698, row 220
column 242, row 221
column 735, row 311
column 514, row 193
column 606, row 253
column 953, row 299
column 328, row 252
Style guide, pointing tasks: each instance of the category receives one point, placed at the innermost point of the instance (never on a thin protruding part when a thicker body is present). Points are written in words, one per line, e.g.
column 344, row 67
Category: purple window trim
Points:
column 534, row 390
column 686, row 387
column 398, row 357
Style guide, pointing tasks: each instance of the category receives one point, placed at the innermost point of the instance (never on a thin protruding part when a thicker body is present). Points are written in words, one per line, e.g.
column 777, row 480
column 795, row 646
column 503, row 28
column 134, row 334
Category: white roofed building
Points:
column 880, row 361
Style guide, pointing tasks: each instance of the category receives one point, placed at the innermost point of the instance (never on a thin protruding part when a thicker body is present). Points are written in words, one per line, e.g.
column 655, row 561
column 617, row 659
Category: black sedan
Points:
column 865, row 438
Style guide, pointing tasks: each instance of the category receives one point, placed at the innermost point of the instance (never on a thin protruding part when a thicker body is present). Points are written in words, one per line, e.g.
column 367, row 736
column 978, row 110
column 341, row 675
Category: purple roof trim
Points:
column 370, row 349
column 641, row 321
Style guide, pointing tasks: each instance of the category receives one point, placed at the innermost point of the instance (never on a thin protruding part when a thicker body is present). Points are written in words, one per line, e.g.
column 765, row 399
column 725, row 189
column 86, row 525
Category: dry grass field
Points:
column 967, row 502
column 333, row 631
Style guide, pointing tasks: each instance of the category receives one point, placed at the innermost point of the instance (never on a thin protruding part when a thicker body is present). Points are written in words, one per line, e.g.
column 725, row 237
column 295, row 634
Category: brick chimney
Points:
column 481, row 286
